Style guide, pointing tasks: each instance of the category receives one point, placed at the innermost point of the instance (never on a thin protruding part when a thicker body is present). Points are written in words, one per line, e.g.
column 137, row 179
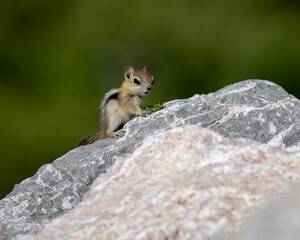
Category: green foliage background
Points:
column 58, row 58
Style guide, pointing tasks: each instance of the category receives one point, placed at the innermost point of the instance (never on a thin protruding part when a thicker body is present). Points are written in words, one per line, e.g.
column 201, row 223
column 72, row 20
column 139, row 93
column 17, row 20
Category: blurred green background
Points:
column 58, row 58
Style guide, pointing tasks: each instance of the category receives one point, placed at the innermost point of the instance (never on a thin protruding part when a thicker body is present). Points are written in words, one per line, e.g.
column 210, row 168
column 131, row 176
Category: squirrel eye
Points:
column 152, row 81
column 136, row 81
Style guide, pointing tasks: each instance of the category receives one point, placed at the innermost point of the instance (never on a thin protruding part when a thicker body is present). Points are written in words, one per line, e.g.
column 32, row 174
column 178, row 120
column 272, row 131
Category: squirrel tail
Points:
column 90, row 139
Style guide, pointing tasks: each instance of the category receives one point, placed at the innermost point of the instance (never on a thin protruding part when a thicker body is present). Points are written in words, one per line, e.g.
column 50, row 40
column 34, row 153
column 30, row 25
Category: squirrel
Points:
column 119, row 104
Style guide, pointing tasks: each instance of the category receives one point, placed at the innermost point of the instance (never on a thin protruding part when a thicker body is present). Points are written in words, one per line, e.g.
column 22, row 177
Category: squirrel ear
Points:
column 145, row 68
column 127, row 71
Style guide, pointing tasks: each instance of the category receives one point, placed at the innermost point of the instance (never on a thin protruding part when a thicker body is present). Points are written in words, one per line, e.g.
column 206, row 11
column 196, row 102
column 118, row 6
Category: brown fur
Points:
column 118, row 105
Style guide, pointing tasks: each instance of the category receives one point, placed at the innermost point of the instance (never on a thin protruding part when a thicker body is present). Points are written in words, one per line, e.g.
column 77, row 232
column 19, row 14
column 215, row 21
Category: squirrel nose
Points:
column 149, row 88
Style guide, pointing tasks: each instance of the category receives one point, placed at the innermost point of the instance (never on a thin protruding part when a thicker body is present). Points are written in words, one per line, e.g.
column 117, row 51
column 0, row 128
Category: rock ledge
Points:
column 254, row 110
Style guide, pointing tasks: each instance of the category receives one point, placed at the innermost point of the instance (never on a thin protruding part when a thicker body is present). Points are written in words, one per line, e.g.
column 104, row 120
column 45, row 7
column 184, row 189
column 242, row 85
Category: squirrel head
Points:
column 138, row 81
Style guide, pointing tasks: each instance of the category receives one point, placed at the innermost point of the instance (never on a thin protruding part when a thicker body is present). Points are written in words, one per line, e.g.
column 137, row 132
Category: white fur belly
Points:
column 117, row 117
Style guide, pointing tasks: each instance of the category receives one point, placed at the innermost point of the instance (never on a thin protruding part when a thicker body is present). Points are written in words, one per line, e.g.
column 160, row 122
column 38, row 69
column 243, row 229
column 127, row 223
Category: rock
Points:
column 252, row 109
column 277, row 221
column 185, row 183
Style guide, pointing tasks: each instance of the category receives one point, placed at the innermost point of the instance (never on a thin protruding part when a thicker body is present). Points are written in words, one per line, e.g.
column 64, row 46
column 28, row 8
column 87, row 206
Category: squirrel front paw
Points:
column 145, row 113
column 119, row 134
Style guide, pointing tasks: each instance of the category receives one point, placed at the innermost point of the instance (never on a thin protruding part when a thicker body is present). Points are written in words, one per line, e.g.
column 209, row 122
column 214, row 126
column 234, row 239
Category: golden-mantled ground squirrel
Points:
column 119, row 104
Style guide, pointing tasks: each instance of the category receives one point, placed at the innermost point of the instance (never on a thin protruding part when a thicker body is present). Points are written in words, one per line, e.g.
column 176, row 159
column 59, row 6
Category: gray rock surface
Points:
column 277, row 221
column 185, row 183
column 252, row 109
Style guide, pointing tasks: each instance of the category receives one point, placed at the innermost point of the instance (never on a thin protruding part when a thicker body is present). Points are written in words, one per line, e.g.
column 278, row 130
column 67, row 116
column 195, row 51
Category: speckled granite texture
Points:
column 186, row 183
